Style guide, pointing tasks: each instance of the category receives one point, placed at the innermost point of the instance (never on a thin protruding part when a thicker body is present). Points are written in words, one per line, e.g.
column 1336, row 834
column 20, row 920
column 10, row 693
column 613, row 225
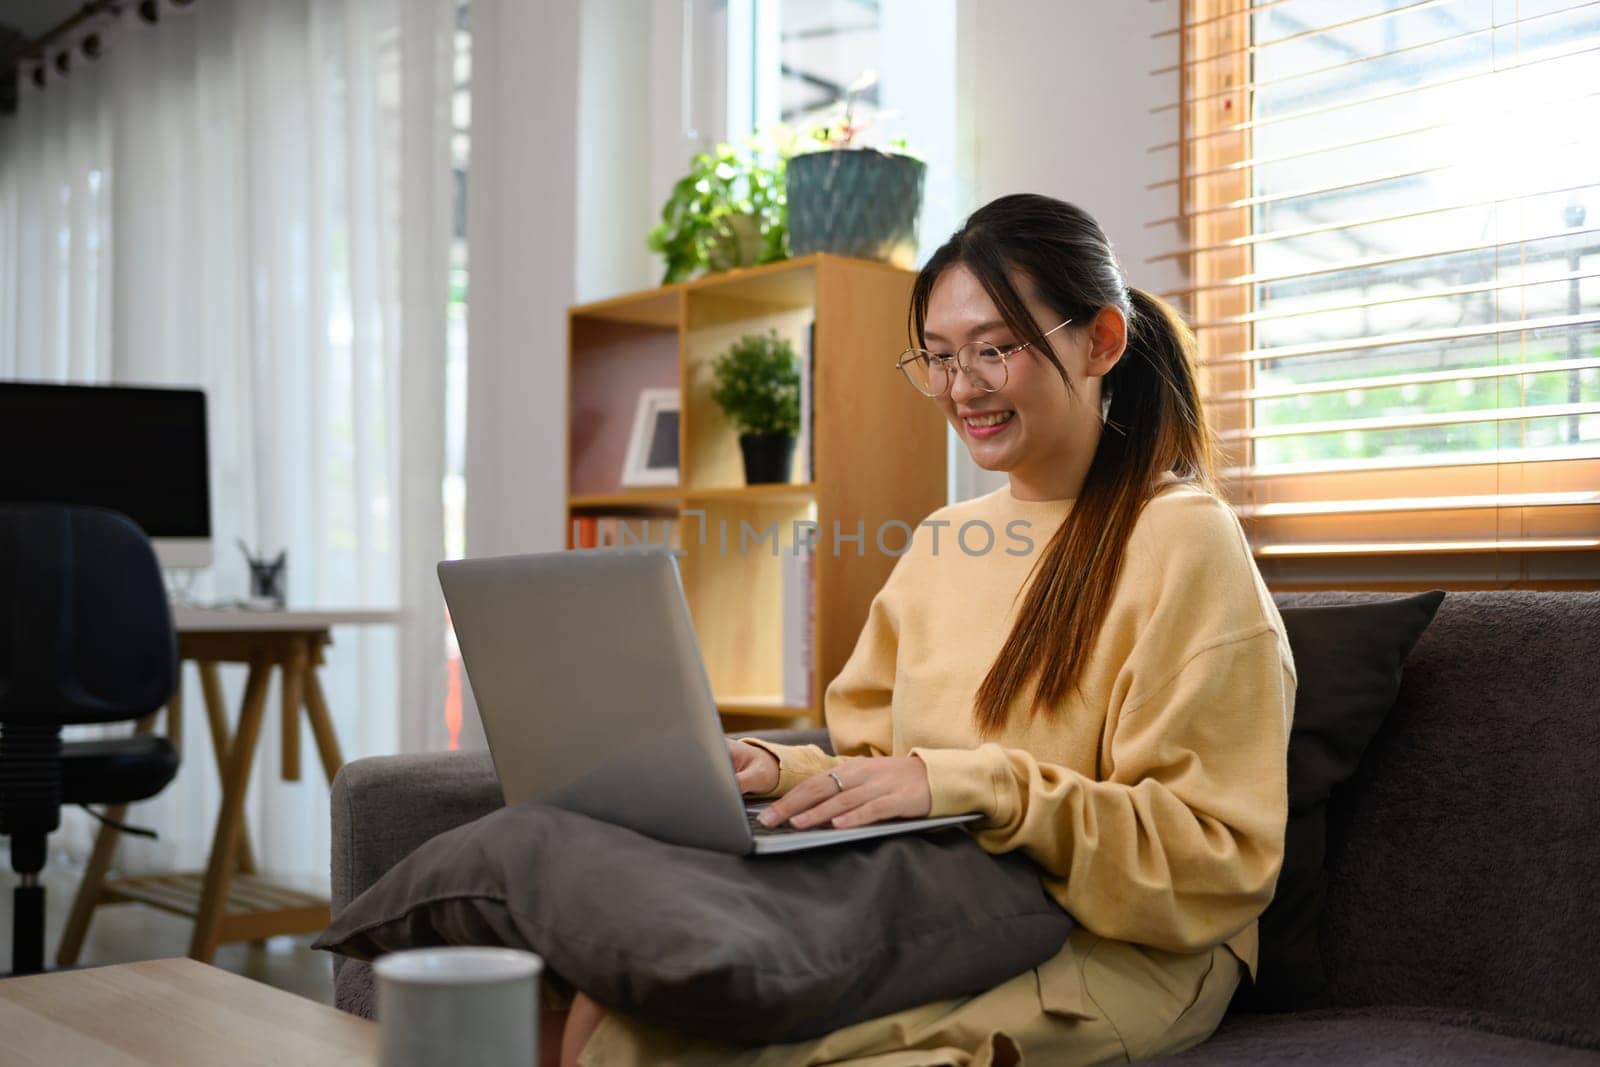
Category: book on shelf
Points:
column 799, row 625
column 803, row 464
column 621, row 531
column 584, row 532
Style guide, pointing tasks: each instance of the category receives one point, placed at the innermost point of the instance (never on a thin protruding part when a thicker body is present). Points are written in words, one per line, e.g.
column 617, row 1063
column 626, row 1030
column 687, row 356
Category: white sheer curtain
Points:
column 254, row 198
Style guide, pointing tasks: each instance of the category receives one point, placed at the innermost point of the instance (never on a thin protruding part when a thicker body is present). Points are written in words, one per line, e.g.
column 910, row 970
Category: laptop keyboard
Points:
column 754, row 817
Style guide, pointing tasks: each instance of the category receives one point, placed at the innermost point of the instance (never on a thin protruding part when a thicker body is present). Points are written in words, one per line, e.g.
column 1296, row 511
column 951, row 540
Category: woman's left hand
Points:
column 875, row 788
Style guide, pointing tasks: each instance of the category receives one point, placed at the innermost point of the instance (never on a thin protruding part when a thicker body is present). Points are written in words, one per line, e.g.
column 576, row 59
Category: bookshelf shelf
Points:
column 659, row 308
column 780, row 491
column 773, row 626
column 626, row 500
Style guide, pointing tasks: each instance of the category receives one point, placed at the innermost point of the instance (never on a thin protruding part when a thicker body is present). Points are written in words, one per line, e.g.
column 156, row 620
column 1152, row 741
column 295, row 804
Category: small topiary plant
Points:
column 756, row 383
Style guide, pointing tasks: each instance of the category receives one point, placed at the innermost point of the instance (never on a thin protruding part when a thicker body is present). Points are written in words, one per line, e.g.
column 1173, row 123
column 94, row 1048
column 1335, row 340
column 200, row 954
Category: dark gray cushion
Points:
column 1349, row 660
column 1346, row 1037
column 758, row 950
column 1462, row 855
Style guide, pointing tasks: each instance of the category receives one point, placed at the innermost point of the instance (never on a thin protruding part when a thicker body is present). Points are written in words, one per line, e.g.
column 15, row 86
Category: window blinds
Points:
column 1389, row 211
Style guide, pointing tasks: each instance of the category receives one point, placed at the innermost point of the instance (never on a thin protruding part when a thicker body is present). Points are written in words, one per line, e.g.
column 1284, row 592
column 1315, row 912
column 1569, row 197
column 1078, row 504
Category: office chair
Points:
column 85, row 637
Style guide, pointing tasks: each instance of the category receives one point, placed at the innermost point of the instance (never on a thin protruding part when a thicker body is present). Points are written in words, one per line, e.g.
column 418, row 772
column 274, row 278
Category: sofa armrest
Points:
column 385, row 807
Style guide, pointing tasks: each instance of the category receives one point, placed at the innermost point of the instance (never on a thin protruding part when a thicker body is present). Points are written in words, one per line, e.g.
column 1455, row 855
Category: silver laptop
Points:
column 594, row 698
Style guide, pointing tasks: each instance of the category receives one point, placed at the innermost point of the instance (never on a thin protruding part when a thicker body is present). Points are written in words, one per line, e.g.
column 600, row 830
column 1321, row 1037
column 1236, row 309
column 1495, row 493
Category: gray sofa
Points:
column 1463, row 916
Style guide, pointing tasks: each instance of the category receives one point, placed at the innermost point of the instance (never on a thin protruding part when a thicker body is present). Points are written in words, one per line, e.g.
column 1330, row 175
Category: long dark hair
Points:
column 1155, row 424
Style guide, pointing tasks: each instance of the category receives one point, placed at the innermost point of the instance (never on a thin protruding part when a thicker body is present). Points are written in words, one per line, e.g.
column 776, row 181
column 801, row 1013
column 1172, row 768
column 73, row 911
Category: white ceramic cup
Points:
column 461, row 1006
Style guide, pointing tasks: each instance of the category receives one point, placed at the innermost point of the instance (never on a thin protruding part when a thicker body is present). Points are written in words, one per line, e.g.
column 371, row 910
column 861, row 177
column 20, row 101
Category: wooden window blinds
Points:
column 1389, row 212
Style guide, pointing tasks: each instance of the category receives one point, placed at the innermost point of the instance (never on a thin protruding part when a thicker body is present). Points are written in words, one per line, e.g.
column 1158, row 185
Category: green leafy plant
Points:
column 756, row 383
column 729, row 210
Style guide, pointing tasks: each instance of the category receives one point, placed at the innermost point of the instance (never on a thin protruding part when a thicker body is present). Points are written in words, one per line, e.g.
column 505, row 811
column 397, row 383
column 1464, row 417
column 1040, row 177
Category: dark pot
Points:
column 855, row 202
column 767, row 457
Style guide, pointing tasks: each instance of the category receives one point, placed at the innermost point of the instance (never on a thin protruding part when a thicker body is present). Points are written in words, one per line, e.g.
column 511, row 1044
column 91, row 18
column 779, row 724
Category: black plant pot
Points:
column 855, row 202
column 767, row 457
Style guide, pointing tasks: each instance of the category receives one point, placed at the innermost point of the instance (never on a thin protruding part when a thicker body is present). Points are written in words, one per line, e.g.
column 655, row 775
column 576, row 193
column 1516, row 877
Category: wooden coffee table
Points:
column 172, row 1012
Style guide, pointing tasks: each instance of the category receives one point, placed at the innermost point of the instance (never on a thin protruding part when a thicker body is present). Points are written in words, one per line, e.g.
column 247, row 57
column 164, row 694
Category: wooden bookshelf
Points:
column 879, row 455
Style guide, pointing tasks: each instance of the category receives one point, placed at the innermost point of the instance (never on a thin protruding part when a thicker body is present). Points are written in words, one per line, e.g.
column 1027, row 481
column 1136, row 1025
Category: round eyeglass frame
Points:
column 911, row 355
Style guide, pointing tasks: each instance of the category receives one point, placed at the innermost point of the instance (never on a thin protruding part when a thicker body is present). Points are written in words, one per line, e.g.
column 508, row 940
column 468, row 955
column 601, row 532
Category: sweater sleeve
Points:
column 857, row 706
column 1179, row 847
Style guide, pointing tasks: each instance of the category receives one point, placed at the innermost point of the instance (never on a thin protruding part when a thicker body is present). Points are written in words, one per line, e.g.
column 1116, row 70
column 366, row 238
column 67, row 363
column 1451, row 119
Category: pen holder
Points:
column 267, row 581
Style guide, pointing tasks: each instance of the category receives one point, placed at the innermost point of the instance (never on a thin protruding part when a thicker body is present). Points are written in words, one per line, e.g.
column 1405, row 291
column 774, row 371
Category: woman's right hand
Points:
column 755, row 768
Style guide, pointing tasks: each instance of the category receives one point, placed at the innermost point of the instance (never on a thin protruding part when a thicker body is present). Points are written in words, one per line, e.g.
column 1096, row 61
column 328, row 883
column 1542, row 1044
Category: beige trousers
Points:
column 1096, row 1001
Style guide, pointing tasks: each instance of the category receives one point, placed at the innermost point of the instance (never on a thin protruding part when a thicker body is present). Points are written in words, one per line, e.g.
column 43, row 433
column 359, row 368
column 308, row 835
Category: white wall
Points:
column 639, row 123
column 1055, row 98
column 920, row 84
column 613, row 150
column 522, row 242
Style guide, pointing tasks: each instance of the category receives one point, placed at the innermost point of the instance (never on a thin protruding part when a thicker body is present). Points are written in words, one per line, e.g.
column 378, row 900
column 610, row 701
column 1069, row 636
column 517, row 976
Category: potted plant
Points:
column 728, row 211
column 852, row 200
column 756, row 383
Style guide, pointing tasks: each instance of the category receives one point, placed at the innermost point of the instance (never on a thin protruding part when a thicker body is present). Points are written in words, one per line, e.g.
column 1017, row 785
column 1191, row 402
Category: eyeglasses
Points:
column 931, row 373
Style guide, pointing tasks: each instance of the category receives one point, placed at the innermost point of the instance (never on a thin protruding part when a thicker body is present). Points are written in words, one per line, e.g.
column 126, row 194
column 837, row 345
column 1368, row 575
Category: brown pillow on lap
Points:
column 768, row 950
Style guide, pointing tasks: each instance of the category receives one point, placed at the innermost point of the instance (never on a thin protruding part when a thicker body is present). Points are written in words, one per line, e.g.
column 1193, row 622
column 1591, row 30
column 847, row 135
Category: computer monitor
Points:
column 139, row 451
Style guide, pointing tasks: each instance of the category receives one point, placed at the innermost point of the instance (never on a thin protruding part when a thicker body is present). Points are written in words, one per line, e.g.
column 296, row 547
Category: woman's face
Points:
column 1033, row 427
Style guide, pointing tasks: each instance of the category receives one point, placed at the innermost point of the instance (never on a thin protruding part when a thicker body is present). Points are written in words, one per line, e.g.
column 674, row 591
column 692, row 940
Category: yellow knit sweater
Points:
column 1155, row 800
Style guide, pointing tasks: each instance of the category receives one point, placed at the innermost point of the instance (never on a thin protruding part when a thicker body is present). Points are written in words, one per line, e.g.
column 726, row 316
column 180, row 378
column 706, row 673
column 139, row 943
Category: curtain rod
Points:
column 37, row 49
column 60, row 40
column 149, row 10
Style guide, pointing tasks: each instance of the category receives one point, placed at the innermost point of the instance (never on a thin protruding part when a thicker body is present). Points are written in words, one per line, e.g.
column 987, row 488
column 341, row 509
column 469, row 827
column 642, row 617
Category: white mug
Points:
column 462, row 1006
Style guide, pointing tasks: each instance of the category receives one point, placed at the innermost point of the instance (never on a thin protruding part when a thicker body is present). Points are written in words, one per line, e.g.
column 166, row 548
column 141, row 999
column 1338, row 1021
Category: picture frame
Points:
column 652, row 456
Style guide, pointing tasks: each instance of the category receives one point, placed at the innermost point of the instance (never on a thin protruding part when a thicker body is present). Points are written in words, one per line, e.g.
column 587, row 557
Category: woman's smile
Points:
column 986, row 424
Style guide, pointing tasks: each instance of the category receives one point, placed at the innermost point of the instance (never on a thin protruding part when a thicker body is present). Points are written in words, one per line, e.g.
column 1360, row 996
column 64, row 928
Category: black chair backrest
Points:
column 85, row 629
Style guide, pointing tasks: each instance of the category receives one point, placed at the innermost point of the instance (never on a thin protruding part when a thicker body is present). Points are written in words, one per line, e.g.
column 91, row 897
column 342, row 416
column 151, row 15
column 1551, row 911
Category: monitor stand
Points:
column 180, row 585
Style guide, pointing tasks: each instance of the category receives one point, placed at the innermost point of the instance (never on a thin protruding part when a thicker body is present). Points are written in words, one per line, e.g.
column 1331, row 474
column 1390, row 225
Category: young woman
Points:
column 1109, row 684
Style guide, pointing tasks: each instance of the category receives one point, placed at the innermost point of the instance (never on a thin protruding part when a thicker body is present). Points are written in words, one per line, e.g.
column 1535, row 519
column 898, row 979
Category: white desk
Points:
column 227, row 900
column 188, row 619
